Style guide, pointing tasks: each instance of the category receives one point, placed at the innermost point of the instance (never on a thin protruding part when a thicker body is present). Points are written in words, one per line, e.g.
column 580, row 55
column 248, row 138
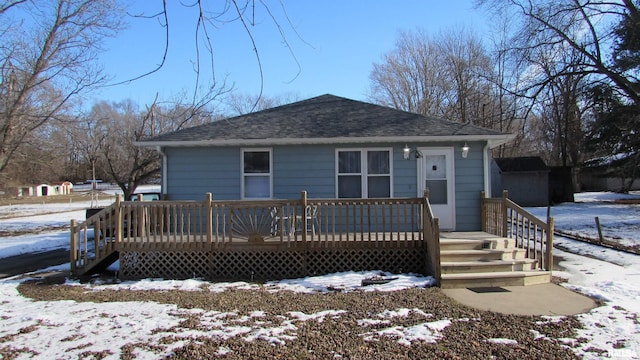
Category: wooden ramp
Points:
column 479, row 259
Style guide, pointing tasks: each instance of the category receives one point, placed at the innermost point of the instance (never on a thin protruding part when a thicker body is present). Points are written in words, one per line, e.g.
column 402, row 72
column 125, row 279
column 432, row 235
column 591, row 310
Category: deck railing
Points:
column 432, row 231
column 503, row 217
column 209, row 224
column 85, row 244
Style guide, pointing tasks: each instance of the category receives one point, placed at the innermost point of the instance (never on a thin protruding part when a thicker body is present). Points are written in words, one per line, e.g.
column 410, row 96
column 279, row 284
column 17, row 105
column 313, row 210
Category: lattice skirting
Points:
column 267, row 265
column 164, row 264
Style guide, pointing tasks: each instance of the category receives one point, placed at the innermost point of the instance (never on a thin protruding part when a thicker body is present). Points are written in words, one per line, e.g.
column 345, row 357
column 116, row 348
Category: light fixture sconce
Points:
column 465, row 150
column 406, row 151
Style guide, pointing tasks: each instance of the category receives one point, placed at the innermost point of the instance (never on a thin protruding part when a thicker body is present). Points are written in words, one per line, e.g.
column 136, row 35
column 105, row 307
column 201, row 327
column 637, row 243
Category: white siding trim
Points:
column 363, row 171
column 487, row 170
column 493, row 140
column 242, row 174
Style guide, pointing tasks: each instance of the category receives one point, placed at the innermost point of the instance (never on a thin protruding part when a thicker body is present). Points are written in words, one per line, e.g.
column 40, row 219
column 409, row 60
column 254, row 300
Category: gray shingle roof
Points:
column 521, row 164
column 323, row 117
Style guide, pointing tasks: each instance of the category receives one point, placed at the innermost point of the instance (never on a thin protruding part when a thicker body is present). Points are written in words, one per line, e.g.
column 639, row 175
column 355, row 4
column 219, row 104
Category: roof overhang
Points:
column 492, row 140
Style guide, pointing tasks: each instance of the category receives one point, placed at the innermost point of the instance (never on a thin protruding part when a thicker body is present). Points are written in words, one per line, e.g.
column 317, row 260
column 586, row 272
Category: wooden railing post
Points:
column 119, row 218
column 505, row 220
column 141, row 218
column 483, row 211
column 425, row 211
column 209, row 217
column 303, row 201
column 549, row 248
column 437, row 273
column 73, row 251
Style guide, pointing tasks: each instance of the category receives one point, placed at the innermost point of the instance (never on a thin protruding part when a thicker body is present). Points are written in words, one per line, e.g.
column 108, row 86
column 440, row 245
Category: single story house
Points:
column 525, row 178
column 333, row 147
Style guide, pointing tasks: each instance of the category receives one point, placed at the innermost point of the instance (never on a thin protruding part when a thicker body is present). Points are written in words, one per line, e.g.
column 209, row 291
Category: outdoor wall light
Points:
column 406, row 153
column 465, row 150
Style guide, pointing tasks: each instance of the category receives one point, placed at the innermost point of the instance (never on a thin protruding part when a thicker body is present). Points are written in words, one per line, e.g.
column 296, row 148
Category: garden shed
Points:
column 525, row 178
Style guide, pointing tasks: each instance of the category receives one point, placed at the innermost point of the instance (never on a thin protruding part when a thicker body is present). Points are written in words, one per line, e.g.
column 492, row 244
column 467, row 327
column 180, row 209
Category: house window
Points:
column 364, row 173
column 256, row 174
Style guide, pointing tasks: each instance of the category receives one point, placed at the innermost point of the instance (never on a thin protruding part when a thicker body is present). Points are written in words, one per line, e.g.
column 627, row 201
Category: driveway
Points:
column 20, row 264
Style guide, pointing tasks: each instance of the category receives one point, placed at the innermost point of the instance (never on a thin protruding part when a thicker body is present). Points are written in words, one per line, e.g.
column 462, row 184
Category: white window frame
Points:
column 364, row 167
column 243, row 175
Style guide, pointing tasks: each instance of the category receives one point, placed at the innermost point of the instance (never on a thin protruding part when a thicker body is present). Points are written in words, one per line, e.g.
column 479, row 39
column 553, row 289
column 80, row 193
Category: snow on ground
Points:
column 37, row 223
column 9, row 212
column 619, row 222
column 33, row 235
column 67, row 328
column 26, row 244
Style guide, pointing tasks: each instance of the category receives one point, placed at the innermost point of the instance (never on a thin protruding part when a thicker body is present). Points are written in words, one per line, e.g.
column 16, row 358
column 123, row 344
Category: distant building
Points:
column 56, row 188
column 611, row 173
column 525, row 178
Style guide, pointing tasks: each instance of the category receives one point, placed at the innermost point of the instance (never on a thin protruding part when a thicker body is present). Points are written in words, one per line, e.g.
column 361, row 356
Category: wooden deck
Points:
column 301, row 236
column 282, row 238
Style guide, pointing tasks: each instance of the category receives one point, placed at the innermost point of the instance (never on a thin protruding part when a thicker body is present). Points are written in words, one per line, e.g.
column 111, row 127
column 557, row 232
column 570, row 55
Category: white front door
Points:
column 435, row 173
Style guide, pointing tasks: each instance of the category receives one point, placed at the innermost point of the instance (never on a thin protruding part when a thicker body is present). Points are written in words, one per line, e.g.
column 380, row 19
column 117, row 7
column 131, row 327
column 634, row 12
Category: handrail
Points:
column 82, row 246
column 503, row 217
column 432, row 233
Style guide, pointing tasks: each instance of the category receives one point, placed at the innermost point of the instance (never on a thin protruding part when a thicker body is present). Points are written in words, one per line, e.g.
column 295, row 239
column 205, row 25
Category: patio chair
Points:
column 287, row 221
column 311, row 213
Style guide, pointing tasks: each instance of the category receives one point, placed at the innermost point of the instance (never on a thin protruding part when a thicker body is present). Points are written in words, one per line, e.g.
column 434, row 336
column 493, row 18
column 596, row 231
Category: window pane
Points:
column 349, row 162
column 256, row 186
column 256, row 162
column 437, row 191
column 379, row 186
column 349, row 186
column 378, row 162
column 436, row 167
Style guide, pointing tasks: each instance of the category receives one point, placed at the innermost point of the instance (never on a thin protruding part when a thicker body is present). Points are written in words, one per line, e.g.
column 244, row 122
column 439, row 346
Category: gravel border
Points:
column 467, row 337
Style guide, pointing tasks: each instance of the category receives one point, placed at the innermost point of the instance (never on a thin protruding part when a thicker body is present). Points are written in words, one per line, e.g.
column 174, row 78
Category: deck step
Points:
column 479, row 259
column 462, row 244
column 456, row 267
column 494, row 279
column 496, row 243
column 481, row 255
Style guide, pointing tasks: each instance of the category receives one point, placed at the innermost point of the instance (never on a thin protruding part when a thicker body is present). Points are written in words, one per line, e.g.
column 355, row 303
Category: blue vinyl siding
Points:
column 469, row 184
column 303, row 168
column 192, row 172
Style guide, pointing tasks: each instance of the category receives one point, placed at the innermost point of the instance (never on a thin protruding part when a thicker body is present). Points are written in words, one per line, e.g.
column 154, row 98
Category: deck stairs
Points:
column 479, row 259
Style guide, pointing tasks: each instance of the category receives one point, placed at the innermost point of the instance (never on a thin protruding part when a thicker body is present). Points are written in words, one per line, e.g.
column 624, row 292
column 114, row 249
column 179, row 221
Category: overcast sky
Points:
column 333, row 45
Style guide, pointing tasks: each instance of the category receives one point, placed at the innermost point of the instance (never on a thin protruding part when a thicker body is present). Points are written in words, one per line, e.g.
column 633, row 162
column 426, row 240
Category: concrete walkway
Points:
column 543, row 299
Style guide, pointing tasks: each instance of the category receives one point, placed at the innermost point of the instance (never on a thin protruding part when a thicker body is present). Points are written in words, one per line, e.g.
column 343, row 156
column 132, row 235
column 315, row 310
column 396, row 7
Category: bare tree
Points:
column 465, row 66
column 240, row 103
column 108, row 134
column 251, row 15
column 409, row 77
column 573, row 26
column 47, row 59
column 451, row 76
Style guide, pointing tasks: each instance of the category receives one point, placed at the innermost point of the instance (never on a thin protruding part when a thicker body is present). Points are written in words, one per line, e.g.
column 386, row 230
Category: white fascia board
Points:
column 493, row 141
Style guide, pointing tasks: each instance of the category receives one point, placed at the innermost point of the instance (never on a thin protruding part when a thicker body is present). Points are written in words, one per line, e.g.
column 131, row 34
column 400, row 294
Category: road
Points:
column 20, row 264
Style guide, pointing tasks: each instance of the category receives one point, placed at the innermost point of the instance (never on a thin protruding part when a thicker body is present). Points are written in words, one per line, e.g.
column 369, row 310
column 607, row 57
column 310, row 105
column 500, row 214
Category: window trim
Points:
column 364, row 169
column 243, row 174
